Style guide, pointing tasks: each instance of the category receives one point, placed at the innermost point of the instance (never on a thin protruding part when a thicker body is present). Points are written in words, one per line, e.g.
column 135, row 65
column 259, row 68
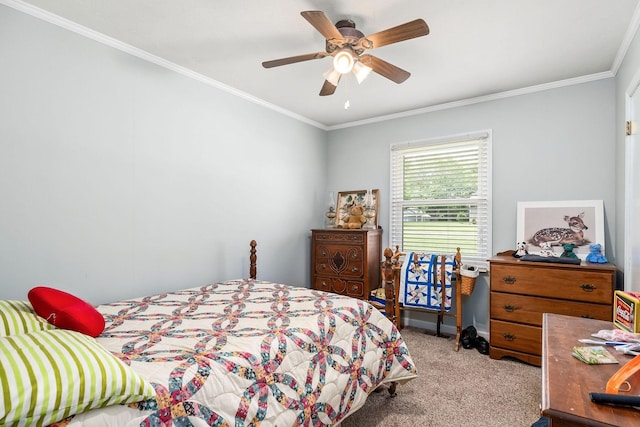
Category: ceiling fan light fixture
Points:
column 343, row 61
column 361, row 71
column 332, row 76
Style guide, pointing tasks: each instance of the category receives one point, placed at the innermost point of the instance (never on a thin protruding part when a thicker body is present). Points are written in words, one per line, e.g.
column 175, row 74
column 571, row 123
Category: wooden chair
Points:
column 391, row 272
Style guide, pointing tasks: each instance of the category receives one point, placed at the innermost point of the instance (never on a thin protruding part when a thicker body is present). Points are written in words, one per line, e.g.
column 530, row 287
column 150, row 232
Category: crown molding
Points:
column 631, row 32
column 479, row 99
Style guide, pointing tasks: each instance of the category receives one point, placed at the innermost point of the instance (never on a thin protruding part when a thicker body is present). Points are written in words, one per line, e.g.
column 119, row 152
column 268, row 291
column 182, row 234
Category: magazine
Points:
column 593, row 355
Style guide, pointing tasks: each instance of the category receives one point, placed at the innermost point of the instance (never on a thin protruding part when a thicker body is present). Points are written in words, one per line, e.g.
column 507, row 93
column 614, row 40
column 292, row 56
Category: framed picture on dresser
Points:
column 348, row 199
column 580, row 222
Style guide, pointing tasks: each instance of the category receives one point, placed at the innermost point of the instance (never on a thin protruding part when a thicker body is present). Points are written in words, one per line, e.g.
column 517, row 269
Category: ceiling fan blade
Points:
column 293, row 59
column 327, row 89
column 385, row 69
column 409, row 30
column 322, row 23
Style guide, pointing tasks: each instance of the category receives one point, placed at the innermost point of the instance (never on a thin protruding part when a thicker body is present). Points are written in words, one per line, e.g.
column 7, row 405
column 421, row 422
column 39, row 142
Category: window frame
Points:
column 395, row 235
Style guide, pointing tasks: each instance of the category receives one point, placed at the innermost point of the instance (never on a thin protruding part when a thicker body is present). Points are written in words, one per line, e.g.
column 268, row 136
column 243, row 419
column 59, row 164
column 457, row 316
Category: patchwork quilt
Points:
column 422, row 285
column 249, row 353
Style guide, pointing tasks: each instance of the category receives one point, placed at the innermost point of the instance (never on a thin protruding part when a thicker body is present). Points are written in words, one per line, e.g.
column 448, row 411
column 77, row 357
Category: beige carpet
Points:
column 463, row 388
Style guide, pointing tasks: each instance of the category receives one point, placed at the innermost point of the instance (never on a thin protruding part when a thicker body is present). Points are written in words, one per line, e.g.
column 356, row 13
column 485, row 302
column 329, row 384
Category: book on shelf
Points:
column 593, row 355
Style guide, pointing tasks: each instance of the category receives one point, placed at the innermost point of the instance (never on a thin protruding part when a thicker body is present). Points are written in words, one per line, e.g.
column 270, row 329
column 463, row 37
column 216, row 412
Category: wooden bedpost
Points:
column 391, row 305
column 458, row 279
column 252, row 260
column 389, row 287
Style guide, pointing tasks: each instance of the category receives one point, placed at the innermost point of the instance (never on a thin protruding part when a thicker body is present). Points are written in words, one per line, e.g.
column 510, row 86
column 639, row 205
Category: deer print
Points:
column 558, row 236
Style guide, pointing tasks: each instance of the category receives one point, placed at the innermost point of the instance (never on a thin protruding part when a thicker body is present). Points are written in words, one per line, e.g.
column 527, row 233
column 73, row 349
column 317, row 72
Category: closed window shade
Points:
column 441, row 196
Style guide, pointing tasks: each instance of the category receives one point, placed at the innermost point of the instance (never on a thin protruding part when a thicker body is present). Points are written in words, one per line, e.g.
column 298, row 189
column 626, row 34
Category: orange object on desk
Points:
column 626, row 379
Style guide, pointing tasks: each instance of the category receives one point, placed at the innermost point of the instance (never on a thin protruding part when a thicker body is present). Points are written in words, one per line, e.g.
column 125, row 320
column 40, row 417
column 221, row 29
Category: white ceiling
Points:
column 476, row 48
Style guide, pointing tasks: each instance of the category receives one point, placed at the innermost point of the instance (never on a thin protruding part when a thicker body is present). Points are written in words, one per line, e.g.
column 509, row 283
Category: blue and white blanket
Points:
column 422, row 286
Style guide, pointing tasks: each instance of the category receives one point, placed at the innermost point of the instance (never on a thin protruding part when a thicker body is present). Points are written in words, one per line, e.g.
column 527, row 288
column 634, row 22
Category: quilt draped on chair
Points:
column 421, row 285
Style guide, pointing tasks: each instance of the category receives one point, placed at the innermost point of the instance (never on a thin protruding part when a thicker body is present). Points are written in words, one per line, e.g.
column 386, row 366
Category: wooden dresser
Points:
column 346, row 262
column 522, row 291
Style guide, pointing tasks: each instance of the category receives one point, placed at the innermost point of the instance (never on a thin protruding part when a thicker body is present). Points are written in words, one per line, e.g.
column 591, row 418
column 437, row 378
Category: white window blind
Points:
column 441, row 196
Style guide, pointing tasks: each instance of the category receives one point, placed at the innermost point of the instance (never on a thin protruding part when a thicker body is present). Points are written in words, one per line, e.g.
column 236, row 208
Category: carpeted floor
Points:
column 463, row 388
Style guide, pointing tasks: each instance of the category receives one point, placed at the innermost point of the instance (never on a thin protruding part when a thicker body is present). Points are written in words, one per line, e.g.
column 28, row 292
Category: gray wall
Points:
column 120, row 178
column 555, row 144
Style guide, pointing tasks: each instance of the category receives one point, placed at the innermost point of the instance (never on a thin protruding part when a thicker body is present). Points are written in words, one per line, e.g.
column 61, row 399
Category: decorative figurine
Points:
column 356, row 219
column 521, row 250
column 546, row 250
column 568, row 251
column 595, row 254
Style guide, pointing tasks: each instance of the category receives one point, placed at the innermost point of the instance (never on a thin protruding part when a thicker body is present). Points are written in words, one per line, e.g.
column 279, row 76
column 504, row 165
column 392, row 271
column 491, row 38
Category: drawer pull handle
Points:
column 510, row 280
column 588, row 287
column 354, row 288
column 354, row 269
column 510, row 308
column 509, row 337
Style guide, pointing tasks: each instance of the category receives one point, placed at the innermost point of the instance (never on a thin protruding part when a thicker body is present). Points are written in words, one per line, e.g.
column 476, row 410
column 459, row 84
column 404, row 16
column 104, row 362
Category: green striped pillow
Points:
column 18, row 317
column 50, row 375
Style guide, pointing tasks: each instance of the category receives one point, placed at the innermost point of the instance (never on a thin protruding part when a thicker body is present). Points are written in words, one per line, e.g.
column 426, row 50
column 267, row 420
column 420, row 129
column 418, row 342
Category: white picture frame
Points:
column 553, row 216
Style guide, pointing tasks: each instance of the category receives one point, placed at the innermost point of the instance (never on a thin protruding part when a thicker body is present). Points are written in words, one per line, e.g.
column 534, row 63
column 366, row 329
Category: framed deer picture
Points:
column 551, row 225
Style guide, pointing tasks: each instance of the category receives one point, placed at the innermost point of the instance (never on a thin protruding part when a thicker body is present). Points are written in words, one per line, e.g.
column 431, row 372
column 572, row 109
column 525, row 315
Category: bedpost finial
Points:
column 388, row 253
column 253, row 274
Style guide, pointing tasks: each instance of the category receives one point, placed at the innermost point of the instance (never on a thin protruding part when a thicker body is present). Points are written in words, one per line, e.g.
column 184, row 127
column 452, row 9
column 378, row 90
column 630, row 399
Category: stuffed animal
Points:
column 546, row 250
column 595, row 254
column 521, row 250
column 355, row 219
column 568, row 251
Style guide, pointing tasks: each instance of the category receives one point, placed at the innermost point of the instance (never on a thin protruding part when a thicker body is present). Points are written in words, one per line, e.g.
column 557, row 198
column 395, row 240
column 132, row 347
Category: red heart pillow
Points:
column 66, row 311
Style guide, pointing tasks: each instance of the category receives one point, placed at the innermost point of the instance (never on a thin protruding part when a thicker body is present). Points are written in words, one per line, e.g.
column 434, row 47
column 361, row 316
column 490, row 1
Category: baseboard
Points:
column 432, row 326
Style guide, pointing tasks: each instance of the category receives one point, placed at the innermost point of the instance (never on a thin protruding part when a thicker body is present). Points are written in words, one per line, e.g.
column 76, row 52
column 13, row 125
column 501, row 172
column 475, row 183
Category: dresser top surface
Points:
column 510, row 260
column 347, row 230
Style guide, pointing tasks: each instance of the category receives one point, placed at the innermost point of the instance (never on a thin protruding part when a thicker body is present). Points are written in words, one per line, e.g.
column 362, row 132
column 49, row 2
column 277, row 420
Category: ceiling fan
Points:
column 347, row 45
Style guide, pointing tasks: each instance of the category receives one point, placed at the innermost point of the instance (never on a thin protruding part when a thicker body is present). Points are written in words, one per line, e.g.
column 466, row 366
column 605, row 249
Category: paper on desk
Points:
column 617, row 335
column 593, row 355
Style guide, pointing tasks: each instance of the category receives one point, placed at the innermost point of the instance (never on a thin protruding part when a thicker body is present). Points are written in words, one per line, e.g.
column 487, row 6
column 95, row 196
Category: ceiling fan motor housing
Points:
column 353, row 38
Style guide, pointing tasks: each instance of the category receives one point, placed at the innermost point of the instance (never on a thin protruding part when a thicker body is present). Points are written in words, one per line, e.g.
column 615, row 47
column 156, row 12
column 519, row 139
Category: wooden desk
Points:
column 566, row 381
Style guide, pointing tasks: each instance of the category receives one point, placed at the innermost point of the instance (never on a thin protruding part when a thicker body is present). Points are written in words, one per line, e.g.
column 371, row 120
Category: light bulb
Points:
column 332, row 76
column 343, row 61
column 361, row 71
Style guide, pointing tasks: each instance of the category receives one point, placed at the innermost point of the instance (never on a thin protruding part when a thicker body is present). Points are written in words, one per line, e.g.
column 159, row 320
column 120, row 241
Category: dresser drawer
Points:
column 339, row 260
column 339, row 237
column 352, row 288
column 518, row 337
column 583, row 285
column 528, row 309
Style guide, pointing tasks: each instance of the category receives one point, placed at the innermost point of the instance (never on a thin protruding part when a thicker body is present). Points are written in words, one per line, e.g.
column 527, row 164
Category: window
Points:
column 441, row 196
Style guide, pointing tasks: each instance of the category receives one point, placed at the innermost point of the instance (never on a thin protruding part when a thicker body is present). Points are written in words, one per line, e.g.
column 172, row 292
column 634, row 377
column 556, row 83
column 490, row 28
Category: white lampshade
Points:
column 343, row 61
column 361, row 71
column 332, row 76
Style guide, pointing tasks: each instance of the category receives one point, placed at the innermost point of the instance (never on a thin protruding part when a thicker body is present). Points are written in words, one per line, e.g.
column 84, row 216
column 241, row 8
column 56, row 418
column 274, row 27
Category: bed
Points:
column 235, row 353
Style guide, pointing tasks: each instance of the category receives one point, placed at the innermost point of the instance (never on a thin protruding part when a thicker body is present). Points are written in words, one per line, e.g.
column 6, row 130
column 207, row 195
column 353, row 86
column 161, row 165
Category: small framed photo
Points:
column 348, row 199
column 580, row 222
